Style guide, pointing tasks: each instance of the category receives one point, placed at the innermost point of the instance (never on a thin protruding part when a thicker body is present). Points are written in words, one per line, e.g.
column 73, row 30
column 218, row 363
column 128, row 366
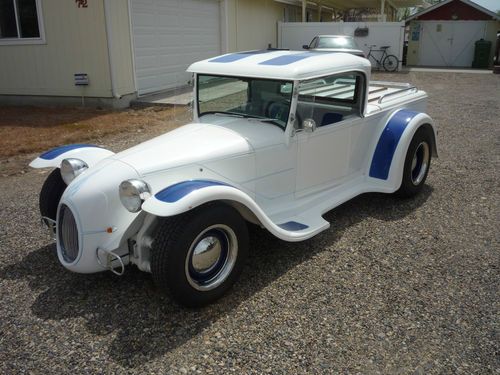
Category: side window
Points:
column 329, row 100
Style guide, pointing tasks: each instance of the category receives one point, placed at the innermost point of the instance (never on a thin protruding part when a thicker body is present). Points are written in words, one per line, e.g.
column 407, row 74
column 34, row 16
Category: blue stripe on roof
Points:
column 387, row 143
column 288, row 59
column 293, row 226
column 175, row 192
column 237, row 56
column 55, row 152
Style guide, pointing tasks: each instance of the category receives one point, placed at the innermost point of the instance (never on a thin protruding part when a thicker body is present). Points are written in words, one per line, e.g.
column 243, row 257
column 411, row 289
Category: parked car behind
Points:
column 334, row 43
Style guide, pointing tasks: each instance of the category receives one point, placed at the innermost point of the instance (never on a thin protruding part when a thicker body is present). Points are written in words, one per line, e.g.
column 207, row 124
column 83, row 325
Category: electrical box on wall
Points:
column 81, row 79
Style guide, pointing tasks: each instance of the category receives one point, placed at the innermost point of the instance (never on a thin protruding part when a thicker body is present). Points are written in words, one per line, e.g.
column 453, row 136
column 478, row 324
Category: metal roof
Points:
column 280, row 64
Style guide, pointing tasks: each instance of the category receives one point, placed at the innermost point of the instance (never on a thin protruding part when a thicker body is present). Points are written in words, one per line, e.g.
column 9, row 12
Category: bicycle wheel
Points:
column 390, row 63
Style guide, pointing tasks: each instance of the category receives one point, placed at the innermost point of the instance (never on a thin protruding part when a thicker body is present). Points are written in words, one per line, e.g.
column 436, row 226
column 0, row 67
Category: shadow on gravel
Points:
column 147, row 323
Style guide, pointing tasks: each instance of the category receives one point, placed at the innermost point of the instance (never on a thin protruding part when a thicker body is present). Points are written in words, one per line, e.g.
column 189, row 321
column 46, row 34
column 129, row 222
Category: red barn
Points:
column 445, row 33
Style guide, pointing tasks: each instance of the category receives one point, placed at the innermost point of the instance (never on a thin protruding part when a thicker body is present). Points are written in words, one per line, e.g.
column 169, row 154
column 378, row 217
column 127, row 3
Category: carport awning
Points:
column 349, row 4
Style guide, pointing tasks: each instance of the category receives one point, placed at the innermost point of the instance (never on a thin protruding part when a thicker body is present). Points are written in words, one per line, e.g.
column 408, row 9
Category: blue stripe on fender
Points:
column 289, row 59
column 387, row 143
column 55, row 152
column 178, row 191
column 237, row 56
column 293, row 226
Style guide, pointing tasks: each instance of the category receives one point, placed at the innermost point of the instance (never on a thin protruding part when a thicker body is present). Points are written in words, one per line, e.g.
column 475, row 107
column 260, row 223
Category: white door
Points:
column 324, row 156
column 169, row 35
column 449, row 43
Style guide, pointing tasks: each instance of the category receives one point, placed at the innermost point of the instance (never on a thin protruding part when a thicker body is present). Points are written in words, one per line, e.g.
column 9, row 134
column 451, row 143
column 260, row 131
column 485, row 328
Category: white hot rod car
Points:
column 278, row 139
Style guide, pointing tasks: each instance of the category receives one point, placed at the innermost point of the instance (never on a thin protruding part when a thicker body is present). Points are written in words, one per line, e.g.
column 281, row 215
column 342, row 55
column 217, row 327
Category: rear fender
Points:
column 386, row 168
column 90, row 154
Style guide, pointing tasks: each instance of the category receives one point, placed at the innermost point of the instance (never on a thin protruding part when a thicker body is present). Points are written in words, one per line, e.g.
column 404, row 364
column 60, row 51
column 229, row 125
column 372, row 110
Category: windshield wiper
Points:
column 245, row 115
column 265, row 119
column 222, row 113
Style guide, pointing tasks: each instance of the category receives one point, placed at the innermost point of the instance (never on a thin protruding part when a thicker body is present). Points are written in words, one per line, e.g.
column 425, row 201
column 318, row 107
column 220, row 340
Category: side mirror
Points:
column 309, row 125
column 305, row 46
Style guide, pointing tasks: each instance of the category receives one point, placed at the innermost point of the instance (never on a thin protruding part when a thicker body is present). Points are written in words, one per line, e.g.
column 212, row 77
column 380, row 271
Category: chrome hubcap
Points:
column 211, row 257
column 206, row 254
column 420, row 163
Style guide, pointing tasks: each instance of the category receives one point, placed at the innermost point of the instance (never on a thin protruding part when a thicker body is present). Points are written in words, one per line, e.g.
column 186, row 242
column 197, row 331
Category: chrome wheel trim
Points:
column 211, row 257
column 420, row 163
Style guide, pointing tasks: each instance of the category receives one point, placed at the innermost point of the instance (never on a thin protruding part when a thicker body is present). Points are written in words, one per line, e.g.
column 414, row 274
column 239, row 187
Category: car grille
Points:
column 67, row 234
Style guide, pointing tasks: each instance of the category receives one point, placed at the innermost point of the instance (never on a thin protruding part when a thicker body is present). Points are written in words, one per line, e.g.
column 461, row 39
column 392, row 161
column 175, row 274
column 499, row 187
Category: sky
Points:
column 492, row 5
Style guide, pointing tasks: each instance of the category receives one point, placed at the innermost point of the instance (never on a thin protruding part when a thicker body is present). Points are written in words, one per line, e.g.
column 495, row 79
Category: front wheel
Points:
column 198, row 256
column 390, row 63
column 417, row 164
column 50, row 195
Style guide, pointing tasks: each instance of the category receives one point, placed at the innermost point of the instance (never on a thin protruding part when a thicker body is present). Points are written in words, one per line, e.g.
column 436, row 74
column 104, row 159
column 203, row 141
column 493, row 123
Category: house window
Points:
column 20, row 21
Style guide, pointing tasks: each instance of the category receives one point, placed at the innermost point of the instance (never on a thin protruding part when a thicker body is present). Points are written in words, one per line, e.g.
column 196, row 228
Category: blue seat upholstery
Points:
column 330, row 118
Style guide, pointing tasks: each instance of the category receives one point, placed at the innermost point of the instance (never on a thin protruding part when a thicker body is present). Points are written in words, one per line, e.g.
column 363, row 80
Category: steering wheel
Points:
column 277, row 110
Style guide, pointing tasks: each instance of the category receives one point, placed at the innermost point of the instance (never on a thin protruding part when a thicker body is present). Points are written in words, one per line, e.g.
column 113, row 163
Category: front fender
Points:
column 387, row 165
column 187, row 195
column 90, row 154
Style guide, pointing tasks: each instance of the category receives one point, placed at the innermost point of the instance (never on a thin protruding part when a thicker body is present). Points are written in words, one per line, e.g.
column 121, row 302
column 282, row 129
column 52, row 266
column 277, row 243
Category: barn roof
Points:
column 493, row 15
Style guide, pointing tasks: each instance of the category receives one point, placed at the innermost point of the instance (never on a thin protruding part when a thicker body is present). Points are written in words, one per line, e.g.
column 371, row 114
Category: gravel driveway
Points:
column 392, row 287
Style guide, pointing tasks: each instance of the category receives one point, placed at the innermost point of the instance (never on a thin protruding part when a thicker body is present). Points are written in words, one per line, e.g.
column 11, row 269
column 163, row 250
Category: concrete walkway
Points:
column 447, row 70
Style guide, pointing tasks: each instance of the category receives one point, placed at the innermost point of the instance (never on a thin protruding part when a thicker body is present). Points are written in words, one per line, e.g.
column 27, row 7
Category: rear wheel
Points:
column 51, row 193
column 417, row 164
column 197, row 256
column 390, row 63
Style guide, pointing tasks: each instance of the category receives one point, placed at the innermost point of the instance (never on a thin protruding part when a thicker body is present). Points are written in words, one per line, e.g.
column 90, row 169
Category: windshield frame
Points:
column 246, row 115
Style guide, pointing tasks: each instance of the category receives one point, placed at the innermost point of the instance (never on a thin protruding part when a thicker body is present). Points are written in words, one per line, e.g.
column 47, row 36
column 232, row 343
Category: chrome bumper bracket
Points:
column 110, row 257
column 50, row 224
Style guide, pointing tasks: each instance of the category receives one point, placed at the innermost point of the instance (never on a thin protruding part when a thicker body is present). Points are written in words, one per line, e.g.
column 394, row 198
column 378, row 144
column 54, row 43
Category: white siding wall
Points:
column 75, row 43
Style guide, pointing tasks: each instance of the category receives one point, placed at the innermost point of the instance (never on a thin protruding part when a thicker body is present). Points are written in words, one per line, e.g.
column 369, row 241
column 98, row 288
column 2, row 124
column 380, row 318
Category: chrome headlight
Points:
column 133, row 193
column 71, row 168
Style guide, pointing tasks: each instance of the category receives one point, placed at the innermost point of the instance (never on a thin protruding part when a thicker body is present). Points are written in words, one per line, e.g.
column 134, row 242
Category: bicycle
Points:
column 388, row 62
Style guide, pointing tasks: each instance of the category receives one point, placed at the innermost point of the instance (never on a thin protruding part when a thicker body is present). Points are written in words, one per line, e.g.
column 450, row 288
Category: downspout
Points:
column 109, row 41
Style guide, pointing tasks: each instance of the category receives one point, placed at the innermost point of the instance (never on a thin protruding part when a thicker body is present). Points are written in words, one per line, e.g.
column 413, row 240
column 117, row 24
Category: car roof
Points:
column 280, row 64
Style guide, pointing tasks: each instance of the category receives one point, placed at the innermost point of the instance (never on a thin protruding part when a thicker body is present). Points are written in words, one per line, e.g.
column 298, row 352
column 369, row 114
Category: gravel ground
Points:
column 392, row 287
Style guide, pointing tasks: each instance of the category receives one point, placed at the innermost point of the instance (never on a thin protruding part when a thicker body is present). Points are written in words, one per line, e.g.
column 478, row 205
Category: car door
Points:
column 328, row 119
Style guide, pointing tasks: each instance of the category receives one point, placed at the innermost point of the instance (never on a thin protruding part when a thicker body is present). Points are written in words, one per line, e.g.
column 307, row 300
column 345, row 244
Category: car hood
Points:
column 200, row 143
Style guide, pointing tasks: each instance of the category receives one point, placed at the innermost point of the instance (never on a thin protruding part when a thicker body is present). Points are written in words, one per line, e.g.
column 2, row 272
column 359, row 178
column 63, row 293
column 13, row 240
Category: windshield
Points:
column 336, row 42
column 262, row 99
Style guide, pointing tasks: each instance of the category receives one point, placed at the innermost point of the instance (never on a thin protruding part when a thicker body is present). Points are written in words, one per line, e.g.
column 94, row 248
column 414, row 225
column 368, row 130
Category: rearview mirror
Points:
column 305, row 46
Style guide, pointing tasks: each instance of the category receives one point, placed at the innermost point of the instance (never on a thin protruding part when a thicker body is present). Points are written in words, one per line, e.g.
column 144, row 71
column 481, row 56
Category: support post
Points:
column 304, row 13
column 382, row 10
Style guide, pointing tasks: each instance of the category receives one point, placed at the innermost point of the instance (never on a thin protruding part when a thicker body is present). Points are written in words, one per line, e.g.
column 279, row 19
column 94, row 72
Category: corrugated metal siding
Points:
column 169, row 35
column 75, row 43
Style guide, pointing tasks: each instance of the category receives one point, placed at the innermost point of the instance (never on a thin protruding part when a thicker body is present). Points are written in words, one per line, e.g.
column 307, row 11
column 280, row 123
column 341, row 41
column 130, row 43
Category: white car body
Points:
column 281, row 179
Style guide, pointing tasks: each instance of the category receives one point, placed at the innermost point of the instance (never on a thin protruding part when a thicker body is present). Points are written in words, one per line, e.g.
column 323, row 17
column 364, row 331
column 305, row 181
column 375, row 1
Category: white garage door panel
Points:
column 169, row 35
column 449, row 43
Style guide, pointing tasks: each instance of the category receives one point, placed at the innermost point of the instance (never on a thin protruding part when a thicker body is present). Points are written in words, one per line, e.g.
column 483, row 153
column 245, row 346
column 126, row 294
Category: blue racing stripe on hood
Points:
column 387, row 143
column 288, row 59
column 178, row 191
column 55, row 152
column 237, row 56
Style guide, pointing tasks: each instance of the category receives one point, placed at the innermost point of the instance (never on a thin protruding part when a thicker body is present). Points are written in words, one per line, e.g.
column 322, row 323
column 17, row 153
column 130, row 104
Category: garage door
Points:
column 168, row 36
column 449, row 43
